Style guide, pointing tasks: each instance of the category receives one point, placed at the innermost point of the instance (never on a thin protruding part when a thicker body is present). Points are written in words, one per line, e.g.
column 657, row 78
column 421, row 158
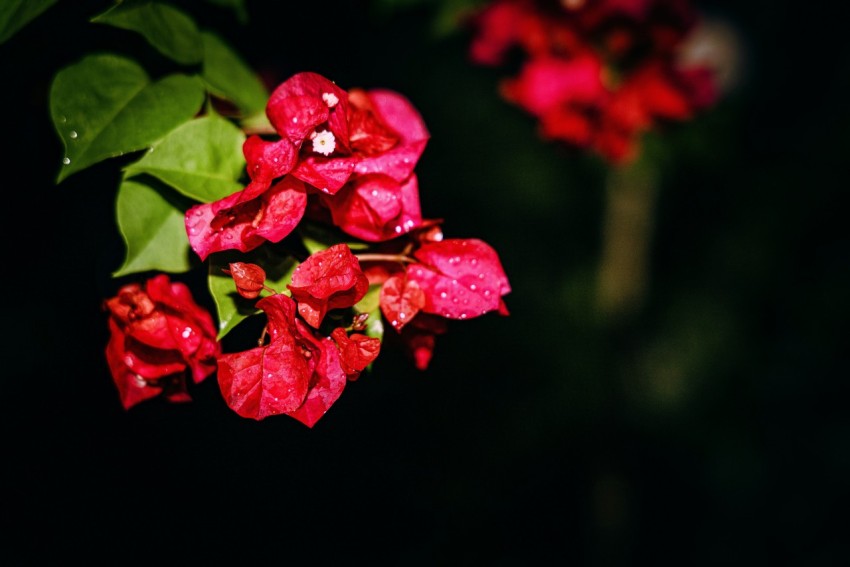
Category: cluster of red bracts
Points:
column 596, row 74
column 347, row 159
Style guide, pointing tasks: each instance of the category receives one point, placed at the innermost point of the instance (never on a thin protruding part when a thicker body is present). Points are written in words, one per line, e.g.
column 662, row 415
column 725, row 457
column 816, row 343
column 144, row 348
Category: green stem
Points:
column 623, row 277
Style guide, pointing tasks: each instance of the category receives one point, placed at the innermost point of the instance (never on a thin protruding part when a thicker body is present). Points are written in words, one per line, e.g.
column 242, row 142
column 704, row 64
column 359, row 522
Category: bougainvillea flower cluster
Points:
column 596, row 74
column 158, row 335
column 343, row 160
column 351, row 155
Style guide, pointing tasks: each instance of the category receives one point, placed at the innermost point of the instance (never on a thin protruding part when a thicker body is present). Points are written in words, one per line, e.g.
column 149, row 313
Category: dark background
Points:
column 709, row 429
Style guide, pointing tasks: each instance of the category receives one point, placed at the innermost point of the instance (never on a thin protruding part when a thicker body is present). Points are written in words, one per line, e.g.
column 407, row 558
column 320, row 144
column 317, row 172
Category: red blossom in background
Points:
column 157, row 334
column 596, row 73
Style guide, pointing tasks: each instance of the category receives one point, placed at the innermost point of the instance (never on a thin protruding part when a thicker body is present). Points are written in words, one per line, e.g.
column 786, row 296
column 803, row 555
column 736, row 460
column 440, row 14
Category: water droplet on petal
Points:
column 443, row 294
column 472, row 287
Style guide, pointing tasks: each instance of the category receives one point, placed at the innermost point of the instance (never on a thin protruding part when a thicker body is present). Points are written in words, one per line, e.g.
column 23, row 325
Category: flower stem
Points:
column 623, row 275
column 384, row 258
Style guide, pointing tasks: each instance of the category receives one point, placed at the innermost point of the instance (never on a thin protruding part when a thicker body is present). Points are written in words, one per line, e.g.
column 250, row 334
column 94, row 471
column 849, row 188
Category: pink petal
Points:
column 328, row 279
column 461, row 278
column 376, row 208
column 296, row 107
column 400, row 115
column 266, row 161
column 328, row 382
column 401, row 299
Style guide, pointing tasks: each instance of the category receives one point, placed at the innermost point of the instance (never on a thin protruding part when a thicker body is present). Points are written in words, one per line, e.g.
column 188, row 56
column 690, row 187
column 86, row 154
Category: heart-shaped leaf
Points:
column 202, row 159
column 169, row 30
column 232, row 308
column 105, row 105
column 150, row 218
column 228, row 77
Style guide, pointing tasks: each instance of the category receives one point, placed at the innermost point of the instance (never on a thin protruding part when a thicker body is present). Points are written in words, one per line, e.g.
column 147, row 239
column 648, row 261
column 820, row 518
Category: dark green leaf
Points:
column 202, row 159
column 105, row 106
column 228, row 77
column 233, row 308
column 169, row 30
column 15, row 14
column 238, row 7
column 152, row 226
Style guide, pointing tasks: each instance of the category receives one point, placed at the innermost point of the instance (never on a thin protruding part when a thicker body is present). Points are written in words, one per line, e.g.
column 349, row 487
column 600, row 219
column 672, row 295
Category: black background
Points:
column 535, row 438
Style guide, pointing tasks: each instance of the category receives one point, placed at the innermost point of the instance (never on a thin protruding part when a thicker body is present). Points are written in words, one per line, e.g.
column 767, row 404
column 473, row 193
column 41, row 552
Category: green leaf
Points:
column 227, row 76
column 202, row 159
column 238, row 7
column 371, row 304
column 105, row 106
column 169, row 30
column 233, row 308
column 150, row 218
column 15, row 14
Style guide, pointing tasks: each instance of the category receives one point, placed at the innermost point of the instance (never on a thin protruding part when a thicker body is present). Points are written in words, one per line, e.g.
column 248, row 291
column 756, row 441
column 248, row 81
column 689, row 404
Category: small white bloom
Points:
column 330, row 99
column 324, row 142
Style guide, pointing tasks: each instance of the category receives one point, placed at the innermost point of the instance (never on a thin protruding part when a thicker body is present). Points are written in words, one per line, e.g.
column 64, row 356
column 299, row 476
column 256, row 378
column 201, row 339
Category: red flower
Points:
column 249, row 279
column 460, row 278
column 157, row 333
column 295, row 374
column 247, row 218
column 341, row 133
column 357, row 351
column 328, row 279
column 376, row 207
column 433, row 280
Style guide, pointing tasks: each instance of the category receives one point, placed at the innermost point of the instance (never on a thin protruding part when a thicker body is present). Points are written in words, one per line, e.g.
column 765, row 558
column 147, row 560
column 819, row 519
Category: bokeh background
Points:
column 708, row 428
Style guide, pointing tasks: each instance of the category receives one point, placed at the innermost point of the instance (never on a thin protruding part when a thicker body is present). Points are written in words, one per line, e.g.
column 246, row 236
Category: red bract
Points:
column 433, row 280
column 596, row 74
column 295, row 374
column 157, row 333
column 357, row 351
column 246, row 219
column 460, row 278
column 343, row 134
column 328, row 279
column 401, row 299
column 376, row 207
column 249, row 278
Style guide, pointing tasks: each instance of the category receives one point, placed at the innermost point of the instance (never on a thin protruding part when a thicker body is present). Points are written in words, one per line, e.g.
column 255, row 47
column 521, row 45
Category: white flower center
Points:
column 324, row 142
column 330, row 99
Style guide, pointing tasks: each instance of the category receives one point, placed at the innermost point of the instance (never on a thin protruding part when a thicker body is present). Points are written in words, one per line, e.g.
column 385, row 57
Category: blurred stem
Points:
column 623, row 276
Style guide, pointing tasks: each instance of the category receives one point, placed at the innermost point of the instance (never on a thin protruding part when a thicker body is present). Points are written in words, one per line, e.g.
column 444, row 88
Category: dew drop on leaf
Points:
column 66, row 161
column 73, row 134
